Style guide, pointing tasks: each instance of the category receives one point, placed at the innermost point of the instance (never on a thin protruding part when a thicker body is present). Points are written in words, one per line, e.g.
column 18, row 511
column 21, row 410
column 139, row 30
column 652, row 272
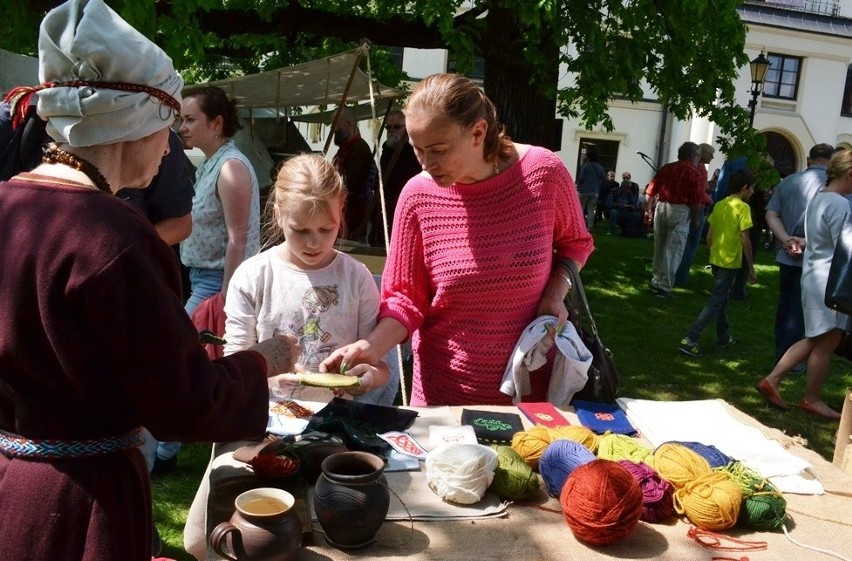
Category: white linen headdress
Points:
column 130, row 89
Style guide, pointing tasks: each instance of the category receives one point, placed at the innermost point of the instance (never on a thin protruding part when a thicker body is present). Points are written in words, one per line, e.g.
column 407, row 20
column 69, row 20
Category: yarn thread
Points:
column 657, row 493
column 711, row 502
column 513, row 478
column 601, row 502
column 717, row 542
column 559, row 460
column 617, row 447
column 460, row 472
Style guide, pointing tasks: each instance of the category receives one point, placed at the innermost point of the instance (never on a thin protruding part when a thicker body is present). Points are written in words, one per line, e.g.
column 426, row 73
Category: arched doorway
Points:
column 782, row 152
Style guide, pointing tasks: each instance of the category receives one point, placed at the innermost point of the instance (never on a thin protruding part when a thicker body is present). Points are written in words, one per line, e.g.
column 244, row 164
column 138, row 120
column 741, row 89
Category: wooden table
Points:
column 530, row 533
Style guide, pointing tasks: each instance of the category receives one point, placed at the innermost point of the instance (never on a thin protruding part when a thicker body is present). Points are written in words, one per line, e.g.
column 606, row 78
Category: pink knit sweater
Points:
column 467, row 267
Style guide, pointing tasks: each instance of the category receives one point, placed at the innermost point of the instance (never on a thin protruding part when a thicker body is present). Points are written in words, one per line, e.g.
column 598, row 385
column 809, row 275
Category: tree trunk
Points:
column 528, row 114
column 526, row 105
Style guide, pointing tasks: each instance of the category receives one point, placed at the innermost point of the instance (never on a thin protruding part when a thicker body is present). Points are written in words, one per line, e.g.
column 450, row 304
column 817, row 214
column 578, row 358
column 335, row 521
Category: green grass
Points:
column 643, row 332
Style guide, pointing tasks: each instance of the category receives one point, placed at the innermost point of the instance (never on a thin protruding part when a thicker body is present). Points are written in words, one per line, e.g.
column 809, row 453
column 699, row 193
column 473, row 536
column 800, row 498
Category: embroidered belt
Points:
column 17, row 446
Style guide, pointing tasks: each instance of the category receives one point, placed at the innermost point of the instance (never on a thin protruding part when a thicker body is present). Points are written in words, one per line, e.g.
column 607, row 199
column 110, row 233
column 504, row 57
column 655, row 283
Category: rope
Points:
column 812, row 548
column 712, row 540
column 366, row 47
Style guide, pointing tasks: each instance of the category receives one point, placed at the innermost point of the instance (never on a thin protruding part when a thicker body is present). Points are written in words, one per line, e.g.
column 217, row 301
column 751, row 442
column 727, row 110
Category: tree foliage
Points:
column 687, row 54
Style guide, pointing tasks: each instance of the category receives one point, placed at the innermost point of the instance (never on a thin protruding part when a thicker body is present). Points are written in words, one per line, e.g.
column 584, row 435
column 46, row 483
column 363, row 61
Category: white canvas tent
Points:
column 266, row 102
column 326, row 81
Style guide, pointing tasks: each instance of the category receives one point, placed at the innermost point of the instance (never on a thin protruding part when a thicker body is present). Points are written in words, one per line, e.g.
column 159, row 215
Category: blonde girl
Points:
column 300, row 285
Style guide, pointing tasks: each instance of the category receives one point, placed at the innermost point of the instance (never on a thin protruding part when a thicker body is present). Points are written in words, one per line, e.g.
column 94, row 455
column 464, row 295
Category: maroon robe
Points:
column 94, row 341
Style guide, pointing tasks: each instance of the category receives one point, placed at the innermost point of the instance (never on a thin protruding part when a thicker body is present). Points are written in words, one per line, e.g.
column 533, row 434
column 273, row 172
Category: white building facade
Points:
column 807, row 98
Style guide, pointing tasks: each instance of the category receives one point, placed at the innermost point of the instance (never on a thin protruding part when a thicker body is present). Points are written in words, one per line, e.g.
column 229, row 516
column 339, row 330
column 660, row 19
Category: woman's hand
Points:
column 370, row 377
column 359, row 353
column 550, row 305
column 280, row 353
column 552, row 302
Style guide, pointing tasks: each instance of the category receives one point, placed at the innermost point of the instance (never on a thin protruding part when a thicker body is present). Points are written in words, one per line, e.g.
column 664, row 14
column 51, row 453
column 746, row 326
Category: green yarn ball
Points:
column 763, row 511
column 513, row 478
column 763, row 507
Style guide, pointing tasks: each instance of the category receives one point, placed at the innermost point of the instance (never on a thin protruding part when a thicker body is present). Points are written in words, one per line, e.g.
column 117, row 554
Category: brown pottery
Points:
column 351, row 499
column 264, row 527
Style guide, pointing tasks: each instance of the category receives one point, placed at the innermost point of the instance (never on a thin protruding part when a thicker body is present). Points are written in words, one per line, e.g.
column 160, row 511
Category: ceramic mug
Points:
column 264, row 527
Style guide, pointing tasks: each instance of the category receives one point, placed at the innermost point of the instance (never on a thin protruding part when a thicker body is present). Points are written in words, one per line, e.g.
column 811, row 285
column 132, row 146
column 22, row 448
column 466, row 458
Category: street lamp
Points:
column 758, row 68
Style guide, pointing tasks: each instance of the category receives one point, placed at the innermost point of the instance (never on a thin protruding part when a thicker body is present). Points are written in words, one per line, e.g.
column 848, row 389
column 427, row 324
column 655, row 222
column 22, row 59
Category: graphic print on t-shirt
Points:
column 312, row 337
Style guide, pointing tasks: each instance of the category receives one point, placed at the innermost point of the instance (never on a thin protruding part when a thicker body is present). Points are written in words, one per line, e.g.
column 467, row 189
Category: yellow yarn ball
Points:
column 531, row 444
column 583, row 435
column 622, row 447
column 711, row 502
column 679, row 465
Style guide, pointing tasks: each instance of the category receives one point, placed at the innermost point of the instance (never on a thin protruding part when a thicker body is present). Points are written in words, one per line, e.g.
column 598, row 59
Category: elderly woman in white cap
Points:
column 95, row 342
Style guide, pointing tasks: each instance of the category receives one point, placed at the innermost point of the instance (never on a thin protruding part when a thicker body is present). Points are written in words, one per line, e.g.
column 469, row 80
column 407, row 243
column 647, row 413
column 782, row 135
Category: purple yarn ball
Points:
column 657, row 501
column 560, row 459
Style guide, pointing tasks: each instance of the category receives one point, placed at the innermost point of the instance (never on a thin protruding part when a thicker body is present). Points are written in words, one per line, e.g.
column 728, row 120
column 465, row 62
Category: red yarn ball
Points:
column 601, row 502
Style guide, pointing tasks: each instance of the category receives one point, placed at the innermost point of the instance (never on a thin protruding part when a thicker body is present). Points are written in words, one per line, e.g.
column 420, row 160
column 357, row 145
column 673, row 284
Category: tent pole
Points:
column 359, row 54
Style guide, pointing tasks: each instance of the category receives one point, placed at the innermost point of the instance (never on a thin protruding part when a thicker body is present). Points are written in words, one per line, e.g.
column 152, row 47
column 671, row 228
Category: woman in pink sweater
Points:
column 474, row 252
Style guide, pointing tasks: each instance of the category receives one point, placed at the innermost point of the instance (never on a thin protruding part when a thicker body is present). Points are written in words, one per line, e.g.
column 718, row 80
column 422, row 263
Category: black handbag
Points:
column 602, row 386
column 838, row 290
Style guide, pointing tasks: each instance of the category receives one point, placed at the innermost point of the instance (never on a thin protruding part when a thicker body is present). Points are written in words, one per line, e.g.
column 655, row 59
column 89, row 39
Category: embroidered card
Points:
column 446, row 434
column 492, row 427
column 600, row 417
column 543, row 413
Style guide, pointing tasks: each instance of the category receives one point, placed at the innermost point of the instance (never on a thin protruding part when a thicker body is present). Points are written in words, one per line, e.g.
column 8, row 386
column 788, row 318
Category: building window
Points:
column 846, row 105
column 396, row 54
column 782, row 80
column 783, row 154
column 607, row 153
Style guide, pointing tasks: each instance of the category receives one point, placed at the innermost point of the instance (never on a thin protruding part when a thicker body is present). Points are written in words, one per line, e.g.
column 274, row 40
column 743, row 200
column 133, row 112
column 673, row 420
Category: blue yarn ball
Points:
column 714, row 456
column 559, row 460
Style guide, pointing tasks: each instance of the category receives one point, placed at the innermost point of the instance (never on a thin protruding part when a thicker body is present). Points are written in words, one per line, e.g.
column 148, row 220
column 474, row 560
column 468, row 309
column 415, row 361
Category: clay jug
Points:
column 264, row 527
column 351, row 499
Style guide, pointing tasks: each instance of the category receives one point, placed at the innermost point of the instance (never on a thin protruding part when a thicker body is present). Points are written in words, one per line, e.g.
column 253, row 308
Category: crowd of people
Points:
column 806, row 214
column 100, row 357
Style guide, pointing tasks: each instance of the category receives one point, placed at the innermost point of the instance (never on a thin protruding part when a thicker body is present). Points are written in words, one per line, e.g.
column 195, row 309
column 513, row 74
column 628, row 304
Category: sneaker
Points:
column 665, row 294
column 727, row 343
column 798, row 369
column 689, row 348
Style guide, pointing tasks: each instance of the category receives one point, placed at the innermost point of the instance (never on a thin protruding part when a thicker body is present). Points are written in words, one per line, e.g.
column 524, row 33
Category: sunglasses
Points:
column 394, row 127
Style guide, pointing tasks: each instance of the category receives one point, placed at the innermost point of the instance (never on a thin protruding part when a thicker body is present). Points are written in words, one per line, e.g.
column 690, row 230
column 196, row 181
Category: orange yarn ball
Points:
column 602, row 502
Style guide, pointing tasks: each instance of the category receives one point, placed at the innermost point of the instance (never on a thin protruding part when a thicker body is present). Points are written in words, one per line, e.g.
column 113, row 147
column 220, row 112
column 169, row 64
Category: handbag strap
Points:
column 580, row 293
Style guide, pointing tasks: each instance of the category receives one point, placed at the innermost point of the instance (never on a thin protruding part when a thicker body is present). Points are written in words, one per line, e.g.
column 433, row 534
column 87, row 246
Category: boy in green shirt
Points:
column 729, row 244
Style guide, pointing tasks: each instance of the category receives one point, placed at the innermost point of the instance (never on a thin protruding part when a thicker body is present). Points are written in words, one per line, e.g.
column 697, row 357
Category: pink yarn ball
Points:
column 657, row 502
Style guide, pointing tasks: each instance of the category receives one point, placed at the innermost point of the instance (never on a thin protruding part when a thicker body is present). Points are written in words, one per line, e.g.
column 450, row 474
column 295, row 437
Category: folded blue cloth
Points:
column 600, row 417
